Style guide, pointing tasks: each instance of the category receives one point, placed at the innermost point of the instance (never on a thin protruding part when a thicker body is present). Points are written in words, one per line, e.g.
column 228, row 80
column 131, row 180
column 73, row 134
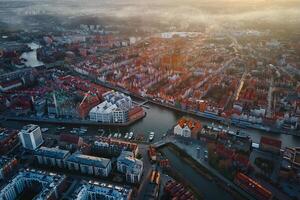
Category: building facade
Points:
column 49, row 185
column 130, row 166
column 51, row 156
column 88, row 164
column 31, row 137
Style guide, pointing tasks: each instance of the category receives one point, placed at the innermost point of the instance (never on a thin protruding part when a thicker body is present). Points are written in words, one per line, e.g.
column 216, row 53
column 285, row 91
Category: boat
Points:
column 109, row 136
column 120, row 135
column 115, row 135
column 126, row 136
column 44, row 130
column 61, row 128
column 130, row 136
column 83, row 129
column 151, row 136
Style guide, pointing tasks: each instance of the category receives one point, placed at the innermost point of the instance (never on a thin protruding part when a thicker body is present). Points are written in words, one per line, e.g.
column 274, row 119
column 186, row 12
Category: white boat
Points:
column 115, row 135
column 84, row 129
column 61, row 128
column 44, row 130
column 109, row 136
column 151, row 136
column 120, row 135
column 130, row 135
column 126, row 135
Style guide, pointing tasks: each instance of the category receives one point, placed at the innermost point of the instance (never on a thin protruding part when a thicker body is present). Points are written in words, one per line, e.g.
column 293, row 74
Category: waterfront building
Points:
column 187, row 128
column 89, row 164
column 270, row 144
column 39, row 105
column 71, row 139
column 96, row 190
column 51, row 156
column 114, row 109
column 120, row 115
column 45, row 185
column 102, row 112
column 31, row 136
column 113, row 148
column 118, row 98
column 130, row 166
column 184, row 131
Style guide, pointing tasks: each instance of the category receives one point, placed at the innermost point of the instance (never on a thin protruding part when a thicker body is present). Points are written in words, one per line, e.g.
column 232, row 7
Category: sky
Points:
column 208, row 12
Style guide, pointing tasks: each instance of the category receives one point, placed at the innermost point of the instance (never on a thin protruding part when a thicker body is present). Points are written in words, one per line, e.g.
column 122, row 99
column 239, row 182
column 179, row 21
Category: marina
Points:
column 159, row 120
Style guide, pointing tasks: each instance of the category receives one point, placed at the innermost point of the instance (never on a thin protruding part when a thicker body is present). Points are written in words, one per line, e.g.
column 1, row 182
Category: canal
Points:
column 160, row 120
column 209, row 189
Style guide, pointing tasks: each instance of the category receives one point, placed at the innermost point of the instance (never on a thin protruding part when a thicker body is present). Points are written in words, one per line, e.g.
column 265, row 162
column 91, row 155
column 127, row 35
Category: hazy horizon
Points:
column 174, row 12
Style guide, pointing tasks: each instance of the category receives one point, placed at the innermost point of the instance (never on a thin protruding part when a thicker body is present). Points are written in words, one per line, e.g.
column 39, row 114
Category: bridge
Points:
column 142, row 104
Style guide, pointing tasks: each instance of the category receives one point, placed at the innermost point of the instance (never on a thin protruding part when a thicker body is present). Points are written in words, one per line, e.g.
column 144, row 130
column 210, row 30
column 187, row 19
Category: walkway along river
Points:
column 159, row 119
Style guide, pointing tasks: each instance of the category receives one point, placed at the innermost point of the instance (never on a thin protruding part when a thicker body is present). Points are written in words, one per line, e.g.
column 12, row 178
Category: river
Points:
column 160, row 120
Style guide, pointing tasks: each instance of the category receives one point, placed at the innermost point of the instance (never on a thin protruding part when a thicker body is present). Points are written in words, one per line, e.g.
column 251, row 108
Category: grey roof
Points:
column 89, row 160
column 51, row 152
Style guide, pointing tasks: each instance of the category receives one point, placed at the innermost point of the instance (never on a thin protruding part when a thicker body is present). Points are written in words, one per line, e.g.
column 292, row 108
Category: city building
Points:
column 6, row 166
column 31, row 136
column 16, row 79
column 270, row 144
column 51, row 156
column 290, row 164
column 45, row 185
column 102, row 112
column 113, row 148
column 8, row 139
column 96, row 190
column 88, row 164
column 188, row 128
column 114, row 109
column 252, row 187
column 71, row 139
column 130, row 166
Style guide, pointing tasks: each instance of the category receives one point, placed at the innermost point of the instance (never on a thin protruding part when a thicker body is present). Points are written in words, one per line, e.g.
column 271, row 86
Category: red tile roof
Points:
column 270, row 141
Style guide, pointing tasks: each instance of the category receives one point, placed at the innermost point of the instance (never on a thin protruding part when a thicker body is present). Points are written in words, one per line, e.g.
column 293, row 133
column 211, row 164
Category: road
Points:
column 143, row 150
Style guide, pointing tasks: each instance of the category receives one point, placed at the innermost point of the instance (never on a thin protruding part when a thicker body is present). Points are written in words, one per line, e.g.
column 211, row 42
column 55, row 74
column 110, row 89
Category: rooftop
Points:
column 49, row 182
column 89, row 160
column 134, row 165
column 113, row 192
column 29, row 128
column 51, row 152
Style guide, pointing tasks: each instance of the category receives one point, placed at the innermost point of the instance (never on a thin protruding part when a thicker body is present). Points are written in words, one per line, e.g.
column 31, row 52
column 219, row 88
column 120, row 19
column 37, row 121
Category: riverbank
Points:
column 69, row 121
column 201, row 170
column 194, row 113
